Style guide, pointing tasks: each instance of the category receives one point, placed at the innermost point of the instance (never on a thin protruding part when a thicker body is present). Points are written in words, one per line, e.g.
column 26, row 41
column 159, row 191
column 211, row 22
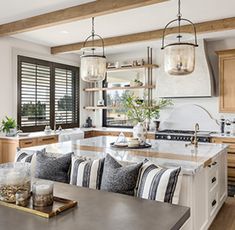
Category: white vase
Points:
column 139, row 132
column 12, row 132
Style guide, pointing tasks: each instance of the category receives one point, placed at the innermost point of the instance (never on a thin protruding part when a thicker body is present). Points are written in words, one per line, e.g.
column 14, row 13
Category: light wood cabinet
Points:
column 8, row 146
column 230, row 155
column 227, row 80
column 27, row 143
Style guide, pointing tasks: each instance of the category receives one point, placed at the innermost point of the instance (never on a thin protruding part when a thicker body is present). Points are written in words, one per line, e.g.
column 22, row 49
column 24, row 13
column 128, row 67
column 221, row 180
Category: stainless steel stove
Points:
column 182, row 135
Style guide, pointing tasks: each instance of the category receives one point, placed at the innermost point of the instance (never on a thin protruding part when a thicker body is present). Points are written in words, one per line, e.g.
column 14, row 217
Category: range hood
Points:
column 200, row 83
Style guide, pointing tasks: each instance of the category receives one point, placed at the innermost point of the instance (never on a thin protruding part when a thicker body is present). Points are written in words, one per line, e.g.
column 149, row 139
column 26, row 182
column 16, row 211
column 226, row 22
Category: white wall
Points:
column 10, row 48
column 211, row 104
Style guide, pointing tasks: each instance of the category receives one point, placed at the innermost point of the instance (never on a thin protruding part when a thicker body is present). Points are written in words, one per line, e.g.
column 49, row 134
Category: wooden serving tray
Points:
column 59, row 205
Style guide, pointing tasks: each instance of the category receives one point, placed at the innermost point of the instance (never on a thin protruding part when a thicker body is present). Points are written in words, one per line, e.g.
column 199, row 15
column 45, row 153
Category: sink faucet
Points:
column 194, row 139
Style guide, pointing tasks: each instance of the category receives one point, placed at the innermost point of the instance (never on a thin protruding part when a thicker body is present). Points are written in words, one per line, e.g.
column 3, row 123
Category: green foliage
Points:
column 139, row 109
column 34, row 110
column 137, row 81
column 8, row 124
column 65, row 103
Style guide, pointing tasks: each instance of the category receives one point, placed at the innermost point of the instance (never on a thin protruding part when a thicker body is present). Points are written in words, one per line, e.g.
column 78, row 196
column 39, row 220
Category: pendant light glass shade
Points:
column 179, row 59
column 93, row 65
column 179, row 56
column 93, row 68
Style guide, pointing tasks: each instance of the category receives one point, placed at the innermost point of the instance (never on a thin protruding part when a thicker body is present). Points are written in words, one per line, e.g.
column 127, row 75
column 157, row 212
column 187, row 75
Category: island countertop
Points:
column 162, row 152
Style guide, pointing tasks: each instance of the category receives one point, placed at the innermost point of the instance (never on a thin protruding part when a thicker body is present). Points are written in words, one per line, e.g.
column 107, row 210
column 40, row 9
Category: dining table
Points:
column 99, row 210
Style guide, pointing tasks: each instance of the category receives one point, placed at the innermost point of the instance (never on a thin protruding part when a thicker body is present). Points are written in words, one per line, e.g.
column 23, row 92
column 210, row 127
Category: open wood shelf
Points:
column 132, row 68
column 103, row 107
column 100, row 107
column 119, row 88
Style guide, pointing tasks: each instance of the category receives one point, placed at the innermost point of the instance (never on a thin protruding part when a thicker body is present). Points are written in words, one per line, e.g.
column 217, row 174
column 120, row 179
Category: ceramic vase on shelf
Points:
column 139, row 132
column 12, row 132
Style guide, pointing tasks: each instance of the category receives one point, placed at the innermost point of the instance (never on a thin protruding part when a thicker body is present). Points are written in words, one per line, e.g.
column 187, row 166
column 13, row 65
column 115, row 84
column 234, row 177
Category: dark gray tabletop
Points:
column 99, row 210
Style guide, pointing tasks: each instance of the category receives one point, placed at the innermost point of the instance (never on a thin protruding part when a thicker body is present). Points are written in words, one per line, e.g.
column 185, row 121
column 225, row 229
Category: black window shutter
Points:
column 47, row 92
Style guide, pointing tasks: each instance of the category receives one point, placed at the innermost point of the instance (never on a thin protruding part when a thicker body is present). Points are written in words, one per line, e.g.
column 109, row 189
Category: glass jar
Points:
column 22, row 197
column 93, row 68
column 43, row 193
column 179, row 59
column 14, row 177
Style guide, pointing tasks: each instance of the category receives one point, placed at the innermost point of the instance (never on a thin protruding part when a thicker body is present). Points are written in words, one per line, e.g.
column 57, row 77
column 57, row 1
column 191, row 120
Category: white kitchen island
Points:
column 204, row 185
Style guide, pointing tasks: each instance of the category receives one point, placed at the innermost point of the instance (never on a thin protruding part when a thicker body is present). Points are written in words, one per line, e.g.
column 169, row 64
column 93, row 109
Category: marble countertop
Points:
column 110, row 129
column 42, row 134
column 65, row 131
column 162, row 152
column 104, row 129
column 30, row 135
column 220, row 135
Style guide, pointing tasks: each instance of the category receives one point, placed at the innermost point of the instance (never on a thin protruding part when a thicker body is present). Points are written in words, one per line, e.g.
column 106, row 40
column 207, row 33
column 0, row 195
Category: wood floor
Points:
column 225, row 220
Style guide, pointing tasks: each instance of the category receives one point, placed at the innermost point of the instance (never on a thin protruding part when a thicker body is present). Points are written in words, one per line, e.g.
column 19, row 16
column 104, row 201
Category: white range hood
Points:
column 197, row 84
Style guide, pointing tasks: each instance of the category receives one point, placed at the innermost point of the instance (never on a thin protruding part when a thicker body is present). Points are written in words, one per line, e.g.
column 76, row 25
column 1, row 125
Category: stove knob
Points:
column 168, row 137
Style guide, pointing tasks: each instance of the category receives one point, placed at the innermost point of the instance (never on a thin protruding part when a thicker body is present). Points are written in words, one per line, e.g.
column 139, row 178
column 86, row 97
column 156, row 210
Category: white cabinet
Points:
column 205, row 192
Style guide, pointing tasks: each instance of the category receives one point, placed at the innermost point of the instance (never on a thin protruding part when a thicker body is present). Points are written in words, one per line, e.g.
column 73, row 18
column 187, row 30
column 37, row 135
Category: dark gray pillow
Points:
column 118, row 178
column 53, row 168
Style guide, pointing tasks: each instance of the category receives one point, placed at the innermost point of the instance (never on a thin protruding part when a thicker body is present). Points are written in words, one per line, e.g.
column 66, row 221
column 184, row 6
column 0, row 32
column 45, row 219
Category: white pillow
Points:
column 161, row 184
column 86, row 173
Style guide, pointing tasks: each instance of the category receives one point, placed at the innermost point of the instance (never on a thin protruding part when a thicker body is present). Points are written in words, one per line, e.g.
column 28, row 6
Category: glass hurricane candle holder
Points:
column 43, row 193
column 22, row 197
column 14, row 177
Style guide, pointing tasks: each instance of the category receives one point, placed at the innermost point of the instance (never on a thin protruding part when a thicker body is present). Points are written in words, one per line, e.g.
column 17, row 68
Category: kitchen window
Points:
column 48, row 93
column 115, row 115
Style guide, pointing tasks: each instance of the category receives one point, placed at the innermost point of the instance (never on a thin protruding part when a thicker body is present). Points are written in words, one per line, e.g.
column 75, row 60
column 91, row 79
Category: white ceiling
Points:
column 126, row 22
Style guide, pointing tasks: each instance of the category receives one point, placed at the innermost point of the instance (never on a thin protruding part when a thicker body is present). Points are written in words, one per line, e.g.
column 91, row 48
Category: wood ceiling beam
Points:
column 203, row 27
column 75, row 13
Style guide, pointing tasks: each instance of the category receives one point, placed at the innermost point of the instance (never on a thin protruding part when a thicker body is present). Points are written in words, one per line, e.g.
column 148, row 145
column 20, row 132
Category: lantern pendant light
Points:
column 179, row 57
column 93, row 65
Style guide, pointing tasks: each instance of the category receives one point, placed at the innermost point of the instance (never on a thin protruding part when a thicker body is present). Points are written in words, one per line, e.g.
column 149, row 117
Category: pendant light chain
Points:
column 93, row 34
column 179, row 20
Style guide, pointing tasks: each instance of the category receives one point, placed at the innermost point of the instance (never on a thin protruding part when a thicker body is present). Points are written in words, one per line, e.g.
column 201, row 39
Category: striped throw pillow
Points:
column 26, row 155
column 86, row 173
column 156, row 183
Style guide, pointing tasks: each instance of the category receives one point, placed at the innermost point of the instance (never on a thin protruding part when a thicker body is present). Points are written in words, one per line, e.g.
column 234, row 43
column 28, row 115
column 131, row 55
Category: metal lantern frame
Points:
column 179, row 19
column 93, row 47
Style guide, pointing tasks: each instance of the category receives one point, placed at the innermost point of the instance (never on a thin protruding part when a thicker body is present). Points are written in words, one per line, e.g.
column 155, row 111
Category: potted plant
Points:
column 9, row 127
column 142, row 110
column 137, row 82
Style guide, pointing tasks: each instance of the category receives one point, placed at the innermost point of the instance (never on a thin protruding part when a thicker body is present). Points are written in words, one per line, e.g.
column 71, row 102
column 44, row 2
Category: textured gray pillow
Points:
column 53, row 168
column 118, row 178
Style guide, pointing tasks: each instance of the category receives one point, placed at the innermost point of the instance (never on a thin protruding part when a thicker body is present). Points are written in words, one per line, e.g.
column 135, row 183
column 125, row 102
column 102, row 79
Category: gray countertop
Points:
column 100, row 210
column 162, row 152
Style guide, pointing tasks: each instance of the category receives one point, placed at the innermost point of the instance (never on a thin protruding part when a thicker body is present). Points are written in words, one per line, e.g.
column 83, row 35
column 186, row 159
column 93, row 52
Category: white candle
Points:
column 43, row 188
